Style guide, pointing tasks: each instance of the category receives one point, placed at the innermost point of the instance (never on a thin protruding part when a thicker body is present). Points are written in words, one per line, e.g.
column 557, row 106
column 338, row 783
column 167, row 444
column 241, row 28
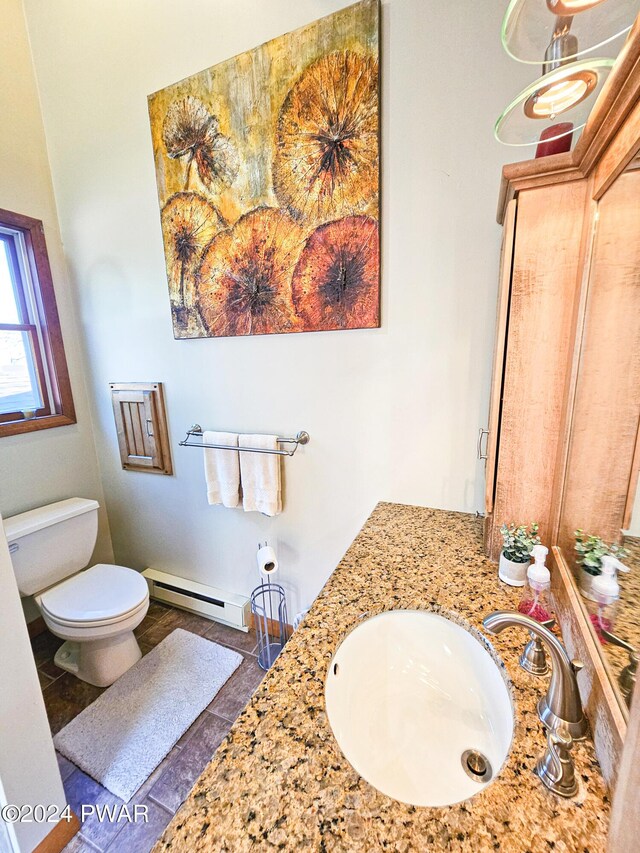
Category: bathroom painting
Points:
column 267, row 169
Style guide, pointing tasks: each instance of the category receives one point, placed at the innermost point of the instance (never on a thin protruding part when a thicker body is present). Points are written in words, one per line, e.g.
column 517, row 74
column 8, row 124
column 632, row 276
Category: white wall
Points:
column 393, row 413
column 40, row 467
column 29, row 772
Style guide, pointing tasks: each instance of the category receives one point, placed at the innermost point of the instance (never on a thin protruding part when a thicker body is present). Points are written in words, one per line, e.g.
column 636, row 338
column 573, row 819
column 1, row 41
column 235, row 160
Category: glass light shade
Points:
column 569, row 91
column 529, row 25
column 556, row 98
column 571, row 7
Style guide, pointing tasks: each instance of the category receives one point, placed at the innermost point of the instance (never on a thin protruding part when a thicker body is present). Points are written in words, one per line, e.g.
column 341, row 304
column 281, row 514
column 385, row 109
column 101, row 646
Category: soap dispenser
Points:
column 535, row 601
column 606, row 594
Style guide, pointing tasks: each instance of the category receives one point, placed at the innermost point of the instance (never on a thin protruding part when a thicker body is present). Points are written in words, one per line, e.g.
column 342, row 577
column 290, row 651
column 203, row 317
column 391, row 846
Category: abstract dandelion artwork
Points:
column 267, row 168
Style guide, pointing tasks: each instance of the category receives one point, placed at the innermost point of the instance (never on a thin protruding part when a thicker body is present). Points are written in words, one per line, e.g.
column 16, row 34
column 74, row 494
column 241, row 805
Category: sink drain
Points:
column 476, row 765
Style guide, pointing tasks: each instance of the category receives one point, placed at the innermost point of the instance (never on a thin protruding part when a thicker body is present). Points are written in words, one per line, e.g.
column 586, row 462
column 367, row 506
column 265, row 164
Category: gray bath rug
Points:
column 121, row 738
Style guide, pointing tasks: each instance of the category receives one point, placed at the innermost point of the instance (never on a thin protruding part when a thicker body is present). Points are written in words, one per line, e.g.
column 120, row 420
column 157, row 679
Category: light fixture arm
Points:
column 562, row 48
column 563, row 25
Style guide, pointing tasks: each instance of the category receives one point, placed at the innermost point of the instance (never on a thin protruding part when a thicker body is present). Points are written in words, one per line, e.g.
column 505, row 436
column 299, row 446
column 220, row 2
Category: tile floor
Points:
column 166, row 789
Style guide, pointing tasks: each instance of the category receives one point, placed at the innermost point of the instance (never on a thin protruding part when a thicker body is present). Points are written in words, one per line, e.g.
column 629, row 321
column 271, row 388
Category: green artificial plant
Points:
column 518, row 541
column 591, row 550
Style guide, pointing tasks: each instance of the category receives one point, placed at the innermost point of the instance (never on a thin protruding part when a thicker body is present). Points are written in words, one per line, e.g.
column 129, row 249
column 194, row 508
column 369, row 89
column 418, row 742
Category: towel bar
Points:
column 301, row 438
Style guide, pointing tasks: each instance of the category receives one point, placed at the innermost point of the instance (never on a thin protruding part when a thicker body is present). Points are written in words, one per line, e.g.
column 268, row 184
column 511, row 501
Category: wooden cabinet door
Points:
column 545, row 289
column 495, row 403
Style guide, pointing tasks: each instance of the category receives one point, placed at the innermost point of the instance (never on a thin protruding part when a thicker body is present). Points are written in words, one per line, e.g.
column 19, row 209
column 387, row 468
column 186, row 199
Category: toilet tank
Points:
column 52, row 542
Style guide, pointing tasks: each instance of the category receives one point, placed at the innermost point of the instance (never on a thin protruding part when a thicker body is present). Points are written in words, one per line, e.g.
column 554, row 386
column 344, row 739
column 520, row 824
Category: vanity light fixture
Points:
column 530, row 27
column 532, row 115
column 561, row 31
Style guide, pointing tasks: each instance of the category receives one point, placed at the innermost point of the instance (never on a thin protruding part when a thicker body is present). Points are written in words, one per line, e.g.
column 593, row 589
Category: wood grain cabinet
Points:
column 545, row 243
column 563, row 446
column 567, row 354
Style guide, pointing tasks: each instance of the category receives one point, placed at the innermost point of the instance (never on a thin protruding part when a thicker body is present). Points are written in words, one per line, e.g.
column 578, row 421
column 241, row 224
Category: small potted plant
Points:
column 590, row 550
column 518, row 542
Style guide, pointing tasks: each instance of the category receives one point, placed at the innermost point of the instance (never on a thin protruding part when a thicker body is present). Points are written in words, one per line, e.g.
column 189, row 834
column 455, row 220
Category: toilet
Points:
column 96, row 610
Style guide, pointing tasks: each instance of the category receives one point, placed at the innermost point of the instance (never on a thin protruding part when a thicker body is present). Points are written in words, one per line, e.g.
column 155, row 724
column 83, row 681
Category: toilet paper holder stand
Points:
column 269, row 611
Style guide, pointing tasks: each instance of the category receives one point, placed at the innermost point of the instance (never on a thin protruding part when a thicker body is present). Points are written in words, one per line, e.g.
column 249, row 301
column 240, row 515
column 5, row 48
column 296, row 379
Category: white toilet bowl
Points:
column 96, row 612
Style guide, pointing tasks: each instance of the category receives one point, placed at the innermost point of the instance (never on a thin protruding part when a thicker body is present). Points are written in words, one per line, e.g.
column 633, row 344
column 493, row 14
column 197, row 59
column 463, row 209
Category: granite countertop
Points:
column 279, row 780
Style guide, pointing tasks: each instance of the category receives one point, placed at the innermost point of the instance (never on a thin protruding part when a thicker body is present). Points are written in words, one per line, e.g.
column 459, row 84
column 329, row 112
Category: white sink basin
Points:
column 408, row 693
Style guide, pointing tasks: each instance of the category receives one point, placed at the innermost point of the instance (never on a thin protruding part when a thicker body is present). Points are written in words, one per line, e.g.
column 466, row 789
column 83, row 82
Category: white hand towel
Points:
column 260, row 475
column 222, row 469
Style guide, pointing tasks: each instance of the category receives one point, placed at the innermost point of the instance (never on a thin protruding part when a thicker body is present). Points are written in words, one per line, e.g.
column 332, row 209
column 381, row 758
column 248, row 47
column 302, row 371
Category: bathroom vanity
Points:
column 280, row 779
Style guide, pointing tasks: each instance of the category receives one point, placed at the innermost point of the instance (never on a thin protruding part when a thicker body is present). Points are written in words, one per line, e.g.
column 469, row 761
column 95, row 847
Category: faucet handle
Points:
column 533, row 659
column 555, row 768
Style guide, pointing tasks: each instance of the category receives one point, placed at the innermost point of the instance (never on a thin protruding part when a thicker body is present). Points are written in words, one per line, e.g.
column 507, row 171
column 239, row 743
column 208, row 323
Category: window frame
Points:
column 47, row 347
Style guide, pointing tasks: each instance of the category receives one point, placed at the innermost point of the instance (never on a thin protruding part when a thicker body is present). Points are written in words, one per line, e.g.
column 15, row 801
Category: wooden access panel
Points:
column 141, row 424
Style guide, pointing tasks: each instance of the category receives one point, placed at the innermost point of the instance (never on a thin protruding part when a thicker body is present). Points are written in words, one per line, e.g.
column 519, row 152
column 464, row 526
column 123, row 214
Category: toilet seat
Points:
column 56, row 623
column 102, row 595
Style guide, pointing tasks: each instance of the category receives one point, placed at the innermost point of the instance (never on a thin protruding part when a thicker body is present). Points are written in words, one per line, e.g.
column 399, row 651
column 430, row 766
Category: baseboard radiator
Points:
column 200, row 598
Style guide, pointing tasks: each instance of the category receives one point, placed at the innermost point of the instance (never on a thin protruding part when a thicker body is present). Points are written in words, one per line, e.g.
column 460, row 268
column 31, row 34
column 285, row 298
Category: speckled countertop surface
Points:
column 279, row 780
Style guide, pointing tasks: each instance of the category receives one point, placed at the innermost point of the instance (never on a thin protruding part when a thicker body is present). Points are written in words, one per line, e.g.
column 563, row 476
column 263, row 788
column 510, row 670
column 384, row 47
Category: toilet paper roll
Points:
column 267, row 561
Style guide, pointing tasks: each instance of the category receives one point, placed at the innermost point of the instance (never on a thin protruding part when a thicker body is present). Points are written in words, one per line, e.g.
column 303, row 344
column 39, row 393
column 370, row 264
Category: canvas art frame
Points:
column 268, row 174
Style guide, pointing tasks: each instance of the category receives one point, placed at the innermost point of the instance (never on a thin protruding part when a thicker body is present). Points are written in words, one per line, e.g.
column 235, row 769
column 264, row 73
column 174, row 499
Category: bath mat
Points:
column 121, row 738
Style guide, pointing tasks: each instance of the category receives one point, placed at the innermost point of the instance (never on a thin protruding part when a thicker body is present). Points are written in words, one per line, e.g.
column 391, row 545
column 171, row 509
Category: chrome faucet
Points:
column 561, row 707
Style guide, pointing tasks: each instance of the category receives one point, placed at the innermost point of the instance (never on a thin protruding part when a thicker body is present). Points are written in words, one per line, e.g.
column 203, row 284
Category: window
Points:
column 34, row 382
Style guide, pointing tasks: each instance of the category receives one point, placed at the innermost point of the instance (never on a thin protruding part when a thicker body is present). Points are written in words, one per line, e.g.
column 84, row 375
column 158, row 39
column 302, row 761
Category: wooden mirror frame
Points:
column 609, row 142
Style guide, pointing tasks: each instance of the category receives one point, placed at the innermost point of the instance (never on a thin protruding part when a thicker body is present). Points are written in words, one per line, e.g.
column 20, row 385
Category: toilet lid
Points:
column 100, row 593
